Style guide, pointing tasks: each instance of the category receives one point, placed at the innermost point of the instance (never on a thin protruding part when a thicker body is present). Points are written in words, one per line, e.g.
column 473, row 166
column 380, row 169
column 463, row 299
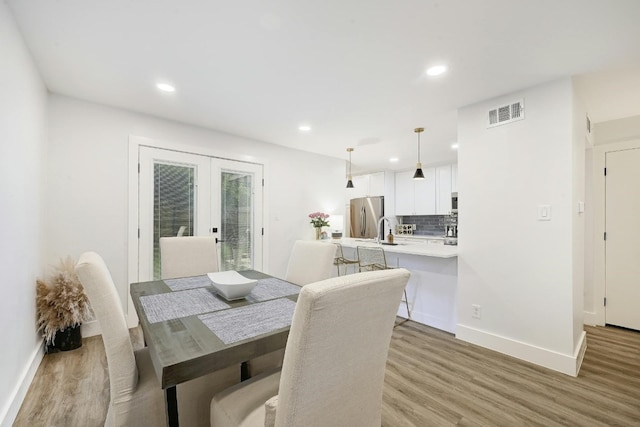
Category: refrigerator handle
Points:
column 363, row 221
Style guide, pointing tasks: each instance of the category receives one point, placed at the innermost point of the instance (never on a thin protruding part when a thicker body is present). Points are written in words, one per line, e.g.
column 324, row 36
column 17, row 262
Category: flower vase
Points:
column 318, row 232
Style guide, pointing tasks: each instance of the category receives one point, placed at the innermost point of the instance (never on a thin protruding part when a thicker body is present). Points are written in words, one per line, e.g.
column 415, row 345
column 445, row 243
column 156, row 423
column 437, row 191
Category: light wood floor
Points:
column 432, row 379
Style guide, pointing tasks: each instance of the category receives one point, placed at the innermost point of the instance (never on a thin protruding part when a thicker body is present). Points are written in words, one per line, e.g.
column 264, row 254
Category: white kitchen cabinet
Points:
column 443, row 190
column 431, row 196
column 416, row 197
column 368, row 185
column 404, row 193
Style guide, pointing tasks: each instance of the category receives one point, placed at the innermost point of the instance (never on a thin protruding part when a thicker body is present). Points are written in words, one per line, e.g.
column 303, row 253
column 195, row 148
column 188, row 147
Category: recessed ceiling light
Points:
column 165, row 87
column 393, row 159
column 436, row 70
column 454, row 146
column 304, row 128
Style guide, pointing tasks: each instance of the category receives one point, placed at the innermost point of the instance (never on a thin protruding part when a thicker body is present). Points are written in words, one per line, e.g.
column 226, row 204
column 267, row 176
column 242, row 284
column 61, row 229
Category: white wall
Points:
column 518, row 269
column 88, row 188
column 22, row 147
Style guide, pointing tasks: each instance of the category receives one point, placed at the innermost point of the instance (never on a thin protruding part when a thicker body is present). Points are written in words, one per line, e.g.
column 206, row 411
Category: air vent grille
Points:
column 506, row 114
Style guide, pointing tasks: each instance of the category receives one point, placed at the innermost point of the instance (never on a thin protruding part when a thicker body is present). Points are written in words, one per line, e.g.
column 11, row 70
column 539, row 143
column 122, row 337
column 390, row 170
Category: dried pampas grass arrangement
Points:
column 61, row 302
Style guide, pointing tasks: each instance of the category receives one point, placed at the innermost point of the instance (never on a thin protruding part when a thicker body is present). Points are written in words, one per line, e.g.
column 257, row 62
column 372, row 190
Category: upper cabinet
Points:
column 443, row 190
column 367, row 185
column 430, row 196
column 416, row 197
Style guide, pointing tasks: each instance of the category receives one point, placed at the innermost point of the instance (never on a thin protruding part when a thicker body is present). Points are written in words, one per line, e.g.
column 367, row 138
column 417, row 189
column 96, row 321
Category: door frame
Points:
column 135, row 142
column 598, row 315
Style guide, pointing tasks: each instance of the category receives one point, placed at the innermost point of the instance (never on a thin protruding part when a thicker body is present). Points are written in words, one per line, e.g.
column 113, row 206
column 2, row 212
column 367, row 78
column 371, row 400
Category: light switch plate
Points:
column 544, row 212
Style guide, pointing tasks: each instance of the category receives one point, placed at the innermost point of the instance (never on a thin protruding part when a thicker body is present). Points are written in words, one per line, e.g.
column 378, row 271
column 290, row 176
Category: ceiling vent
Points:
column 506, row 114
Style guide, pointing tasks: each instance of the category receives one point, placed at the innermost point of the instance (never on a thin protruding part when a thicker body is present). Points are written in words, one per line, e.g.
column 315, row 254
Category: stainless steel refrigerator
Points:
column 365, row 214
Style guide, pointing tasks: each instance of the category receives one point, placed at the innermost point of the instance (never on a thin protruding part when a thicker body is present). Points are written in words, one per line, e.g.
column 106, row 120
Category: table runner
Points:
column 249, row 321
column 174, row 305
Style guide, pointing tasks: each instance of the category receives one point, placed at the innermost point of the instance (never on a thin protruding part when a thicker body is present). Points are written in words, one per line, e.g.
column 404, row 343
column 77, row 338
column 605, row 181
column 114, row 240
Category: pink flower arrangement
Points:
column 319, row 219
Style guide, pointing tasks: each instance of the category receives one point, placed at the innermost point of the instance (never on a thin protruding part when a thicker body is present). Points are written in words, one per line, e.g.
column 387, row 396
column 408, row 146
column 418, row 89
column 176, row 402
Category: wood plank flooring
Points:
column 432, row 379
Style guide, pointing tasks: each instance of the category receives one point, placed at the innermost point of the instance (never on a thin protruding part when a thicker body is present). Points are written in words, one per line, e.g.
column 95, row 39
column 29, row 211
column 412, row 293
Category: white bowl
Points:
column 232, row 285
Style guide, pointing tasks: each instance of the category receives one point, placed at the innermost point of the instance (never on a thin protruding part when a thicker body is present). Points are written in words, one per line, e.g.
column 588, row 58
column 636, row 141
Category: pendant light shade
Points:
column 418, row 174
column 349, row 181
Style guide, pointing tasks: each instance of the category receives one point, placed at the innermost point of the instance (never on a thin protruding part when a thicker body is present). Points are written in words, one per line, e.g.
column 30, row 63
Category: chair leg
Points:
column 406, row 302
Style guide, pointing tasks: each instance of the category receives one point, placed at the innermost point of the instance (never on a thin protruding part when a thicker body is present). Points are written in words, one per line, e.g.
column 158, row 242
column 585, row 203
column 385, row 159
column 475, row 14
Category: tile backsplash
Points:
column 426, row 225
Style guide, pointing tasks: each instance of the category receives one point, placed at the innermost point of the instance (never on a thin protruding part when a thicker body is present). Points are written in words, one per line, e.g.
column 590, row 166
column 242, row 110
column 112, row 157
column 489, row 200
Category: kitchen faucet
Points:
column 384, row 218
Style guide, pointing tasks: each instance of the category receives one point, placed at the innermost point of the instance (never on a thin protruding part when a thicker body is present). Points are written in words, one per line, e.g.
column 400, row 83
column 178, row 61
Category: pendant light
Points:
column 349, row 181
column 419, row 174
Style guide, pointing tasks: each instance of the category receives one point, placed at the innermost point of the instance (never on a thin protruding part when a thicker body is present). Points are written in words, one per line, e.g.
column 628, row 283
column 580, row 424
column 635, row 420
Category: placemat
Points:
column 272, row 288
column 182, row 283
column 174, row 305
column 250, row 321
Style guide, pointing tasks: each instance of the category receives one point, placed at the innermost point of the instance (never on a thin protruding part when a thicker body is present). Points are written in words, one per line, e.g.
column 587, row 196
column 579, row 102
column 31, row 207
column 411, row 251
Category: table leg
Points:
column 172, row 406
column 244, row 371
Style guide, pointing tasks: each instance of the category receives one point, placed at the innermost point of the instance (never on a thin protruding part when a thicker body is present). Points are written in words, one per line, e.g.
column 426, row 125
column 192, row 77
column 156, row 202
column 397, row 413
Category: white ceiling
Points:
column 352, row 70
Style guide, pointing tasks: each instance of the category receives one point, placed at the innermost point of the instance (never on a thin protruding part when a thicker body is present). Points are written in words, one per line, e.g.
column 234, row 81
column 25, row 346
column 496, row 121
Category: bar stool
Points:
column 374, row 258
column 340, row 259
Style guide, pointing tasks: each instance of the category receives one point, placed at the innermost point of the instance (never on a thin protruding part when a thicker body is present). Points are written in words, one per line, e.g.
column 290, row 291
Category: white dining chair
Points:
column 310, row 261
column 136, row 396
column 334, row 362
column 188, row 256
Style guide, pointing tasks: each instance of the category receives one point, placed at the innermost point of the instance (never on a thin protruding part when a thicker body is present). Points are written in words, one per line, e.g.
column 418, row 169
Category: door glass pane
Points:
column 236, row 248
column 173, row 205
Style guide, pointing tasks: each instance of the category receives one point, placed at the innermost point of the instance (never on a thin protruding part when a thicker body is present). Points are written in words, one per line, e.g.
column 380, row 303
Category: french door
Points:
column 183, row 194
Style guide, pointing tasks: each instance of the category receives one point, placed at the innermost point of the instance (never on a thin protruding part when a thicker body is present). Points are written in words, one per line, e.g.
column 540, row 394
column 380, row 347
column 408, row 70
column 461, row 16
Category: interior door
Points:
column 622, row 244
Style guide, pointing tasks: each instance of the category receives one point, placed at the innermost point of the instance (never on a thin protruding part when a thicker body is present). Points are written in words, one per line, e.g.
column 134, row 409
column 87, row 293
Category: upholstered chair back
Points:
column 101, row 291
column 136, row 396
column 336, row 353
column 334, row 362
column 310, row 261
column 188, row 256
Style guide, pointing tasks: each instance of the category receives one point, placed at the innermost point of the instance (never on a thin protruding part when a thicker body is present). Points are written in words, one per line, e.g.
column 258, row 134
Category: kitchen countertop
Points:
column 419, row 247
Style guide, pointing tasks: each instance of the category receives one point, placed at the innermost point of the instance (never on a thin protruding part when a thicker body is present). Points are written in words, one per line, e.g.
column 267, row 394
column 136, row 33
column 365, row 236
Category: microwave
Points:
column 454, row 202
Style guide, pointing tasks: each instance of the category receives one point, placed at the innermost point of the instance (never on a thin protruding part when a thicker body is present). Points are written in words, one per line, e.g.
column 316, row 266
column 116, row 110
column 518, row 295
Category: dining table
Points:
column 191, row 330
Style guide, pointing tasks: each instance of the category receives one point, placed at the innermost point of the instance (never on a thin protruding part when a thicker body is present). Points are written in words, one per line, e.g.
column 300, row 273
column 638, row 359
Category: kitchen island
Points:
column 432, row 287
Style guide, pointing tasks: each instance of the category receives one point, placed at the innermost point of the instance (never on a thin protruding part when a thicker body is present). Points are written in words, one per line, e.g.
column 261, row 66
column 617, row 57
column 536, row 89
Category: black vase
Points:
column 66, row 339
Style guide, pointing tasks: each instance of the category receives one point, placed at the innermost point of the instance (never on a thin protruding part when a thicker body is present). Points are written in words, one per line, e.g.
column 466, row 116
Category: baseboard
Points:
column 581, row 349
column 21, row 389
column 591, row 318
column 426, row 319
column 89, row 329
column 92, row 328
column 566, row 364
